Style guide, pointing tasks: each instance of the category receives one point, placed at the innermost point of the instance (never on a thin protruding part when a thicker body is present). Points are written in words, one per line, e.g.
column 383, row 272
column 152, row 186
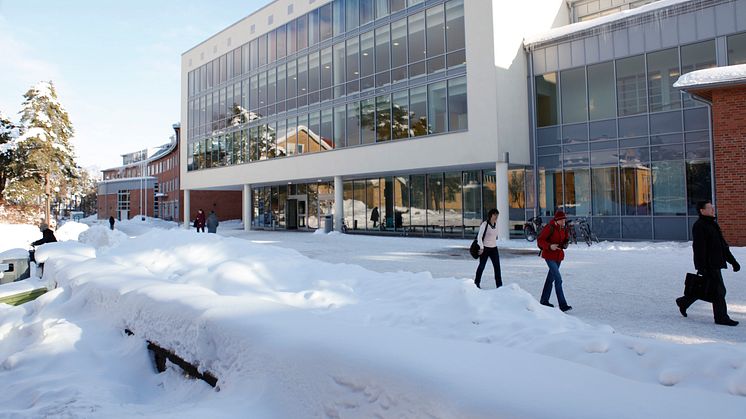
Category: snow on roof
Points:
column 713, row 76
column 600, row 21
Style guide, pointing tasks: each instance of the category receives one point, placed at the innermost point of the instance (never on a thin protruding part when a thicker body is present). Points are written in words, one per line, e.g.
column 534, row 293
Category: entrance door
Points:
column 124, row 215
column 291, row 214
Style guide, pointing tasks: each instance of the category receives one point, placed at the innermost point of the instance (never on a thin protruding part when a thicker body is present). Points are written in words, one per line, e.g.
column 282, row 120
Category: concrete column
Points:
column 246, row 207
column 187, row 217
column 503, row 205
column 338, row 203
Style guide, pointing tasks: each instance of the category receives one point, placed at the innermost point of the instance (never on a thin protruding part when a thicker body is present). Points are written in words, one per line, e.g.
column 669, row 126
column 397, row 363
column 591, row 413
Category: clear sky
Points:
column 115, row 65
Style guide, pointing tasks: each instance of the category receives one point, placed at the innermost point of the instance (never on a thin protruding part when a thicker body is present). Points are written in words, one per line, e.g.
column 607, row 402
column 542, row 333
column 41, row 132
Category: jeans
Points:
column 555, row 277
column 491, row 253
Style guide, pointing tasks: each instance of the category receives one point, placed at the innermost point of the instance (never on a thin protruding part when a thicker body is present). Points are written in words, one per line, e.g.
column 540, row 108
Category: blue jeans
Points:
column 555, row 277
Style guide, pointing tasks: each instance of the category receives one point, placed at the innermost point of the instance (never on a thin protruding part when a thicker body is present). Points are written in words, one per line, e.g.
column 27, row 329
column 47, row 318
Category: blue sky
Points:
column 115, row 64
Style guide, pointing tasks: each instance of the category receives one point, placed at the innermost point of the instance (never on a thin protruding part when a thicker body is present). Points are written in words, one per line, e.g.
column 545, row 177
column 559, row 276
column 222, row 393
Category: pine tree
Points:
column 8, row 132
column 44, row 148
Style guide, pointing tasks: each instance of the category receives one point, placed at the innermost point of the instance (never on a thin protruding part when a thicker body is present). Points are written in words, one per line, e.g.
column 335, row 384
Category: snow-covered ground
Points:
column 311, row 325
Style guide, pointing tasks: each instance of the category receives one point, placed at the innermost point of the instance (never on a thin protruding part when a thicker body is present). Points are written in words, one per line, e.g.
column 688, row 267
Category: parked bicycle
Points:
column 580, row 226
column 532, row 227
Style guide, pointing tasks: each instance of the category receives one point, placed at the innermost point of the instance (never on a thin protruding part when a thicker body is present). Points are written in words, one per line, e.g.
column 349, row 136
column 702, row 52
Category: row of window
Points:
column 658, row 188
column 434, row 203
column 314, row 27
column 432, row 109
column 380, row 57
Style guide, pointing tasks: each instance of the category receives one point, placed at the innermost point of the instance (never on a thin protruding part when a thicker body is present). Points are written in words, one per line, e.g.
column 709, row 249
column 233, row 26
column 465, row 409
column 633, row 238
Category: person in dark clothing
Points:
column 487, row 240
column 711, row 252
column 212, row 223
column 111, row 222
column 552, row 239
column 375, row 216
column 199, row 222
column 47, row 237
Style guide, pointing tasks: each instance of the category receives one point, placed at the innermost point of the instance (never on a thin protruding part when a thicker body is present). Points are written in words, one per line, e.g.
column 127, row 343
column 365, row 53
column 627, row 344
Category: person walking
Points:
column 212, row 223
column 552, row 241
column 375, row 216
column 487, row 239
column 199, row 222
column 711, row 252
column 111, row 222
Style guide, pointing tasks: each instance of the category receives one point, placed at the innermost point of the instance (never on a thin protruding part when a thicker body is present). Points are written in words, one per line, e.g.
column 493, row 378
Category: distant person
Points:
column 47, row 237
column 199, row 222
column 711, row 252
column 375, row 216
column 552, row 241
column 212, row 223
column 111, row 222
column 487, row 239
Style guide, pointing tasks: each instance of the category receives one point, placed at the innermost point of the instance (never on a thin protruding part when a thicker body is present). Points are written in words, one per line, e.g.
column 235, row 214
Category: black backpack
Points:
column 474, row 248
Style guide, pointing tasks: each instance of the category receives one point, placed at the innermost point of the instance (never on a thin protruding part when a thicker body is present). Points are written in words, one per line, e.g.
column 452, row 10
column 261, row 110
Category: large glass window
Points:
column 325, row 22
column 327, row 130
column 436, row 111
column 340, row 122
column 697, row 57
column 367, row 12
column 313, row 28
column 577, row 188
column 339, row 17
column 368, row 121
column 313, row 72
column 601, row 100
column 669, row 188
column 572, row 83
column 383, row 118
column 292, row 80
column 737, row 49
column 262, row 50
column 281, row 41
column 547, row 106
column 367, row 61
column 302, row 31
column 435, row 211
column 271, row 47
column 302, row 76
column 417, row 37
column 457, row 108
column 418, row 111
column 663, row 71
column 698, row 183
column 292, row 37
column 455, row 25
column 353, row 59
column 352, row 14
column 418, row 201
column 353, row 124
column 604, row 191
column 399, row 43
column 452, row 203
column 435, row 31
column 630, row 86
column 339, row 64
column 400, row 115
column 383, row 44
column 326, row 68
column 472, row 198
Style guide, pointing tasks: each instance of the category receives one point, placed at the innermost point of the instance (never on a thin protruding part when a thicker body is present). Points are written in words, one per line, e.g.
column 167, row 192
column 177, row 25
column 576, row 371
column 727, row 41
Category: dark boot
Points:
column 682, row 307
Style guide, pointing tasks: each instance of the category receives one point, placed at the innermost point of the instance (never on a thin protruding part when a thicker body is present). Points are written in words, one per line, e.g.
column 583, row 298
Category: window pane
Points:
column 292, row 37
column 418, row 111
column 577, row 192
column 353, row 63
column 696, row 57
column 327, row 130
column 455, row 25
column 325, row 22
column 383, row 118
column 547, row 108
column 281, row 42
column 291, row 136
column 367, row 63
column 399, row 43
column 417, row 37
column 604, row 192
column 737, row 49
column 313, row 28
column 400, row 118
column 340, row 121
column 302, row 76
column 663, row 71
column 382, row 8
column 352, row 14
column 669, row 188
column 262, row 50
column 435, row 211
column 383, row 43
column 367, row 121
column 353, row 124
column 326, row 68
column 457, row 108
column 435, row 31
column 339, row 63
column 271, row 86
column 313, row 72
column 366, row 11
column 574, row 107
column 630, row 82
column 472, row 198
column 698, row 183
column 397, row 5
column 302, row 30
column 601, row 101
column 436, row 100
column 271, row 47
column 315, row 143
column 339, row 17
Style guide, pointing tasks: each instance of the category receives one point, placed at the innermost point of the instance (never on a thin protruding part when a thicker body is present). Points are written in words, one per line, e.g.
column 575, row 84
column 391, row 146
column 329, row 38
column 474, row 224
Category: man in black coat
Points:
column 711, row 252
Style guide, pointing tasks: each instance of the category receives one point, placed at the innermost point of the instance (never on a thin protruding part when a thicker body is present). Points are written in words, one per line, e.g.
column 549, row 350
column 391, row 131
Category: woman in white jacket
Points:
column 487, row 239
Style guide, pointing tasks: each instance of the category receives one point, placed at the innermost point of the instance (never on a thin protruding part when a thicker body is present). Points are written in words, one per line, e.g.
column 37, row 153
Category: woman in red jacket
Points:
column 552, row 240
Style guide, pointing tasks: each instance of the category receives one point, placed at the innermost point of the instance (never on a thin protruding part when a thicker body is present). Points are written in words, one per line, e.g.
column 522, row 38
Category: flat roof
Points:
column 713, row 77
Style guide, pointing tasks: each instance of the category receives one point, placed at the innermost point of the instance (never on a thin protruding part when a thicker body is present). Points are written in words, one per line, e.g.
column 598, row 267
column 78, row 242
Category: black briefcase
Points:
column 697, row 286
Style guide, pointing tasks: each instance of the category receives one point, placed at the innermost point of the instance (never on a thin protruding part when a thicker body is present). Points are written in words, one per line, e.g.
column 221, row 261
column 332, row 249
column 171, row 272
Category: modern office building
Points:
column 418, row 116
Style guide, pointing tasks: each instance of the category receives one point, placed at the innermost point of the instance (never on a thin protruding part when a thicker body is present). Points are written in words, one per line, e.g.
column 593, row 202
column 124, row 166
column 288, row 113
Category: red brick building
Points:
column 147, row 184
column 724, row 88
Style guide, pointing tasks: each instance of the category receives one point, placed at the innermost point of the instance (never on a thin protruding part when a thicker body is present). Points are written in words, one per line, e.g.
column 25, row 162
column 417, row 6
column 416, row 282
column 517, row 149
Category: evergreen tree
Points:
column 8, row 132
column 44, row 148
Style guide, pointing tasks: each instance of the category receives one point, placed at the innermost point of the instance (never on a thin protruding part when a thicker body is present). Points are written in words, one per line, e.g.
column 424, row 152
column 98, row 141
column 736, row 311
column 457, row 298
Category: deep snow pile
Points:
column 290, row 336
